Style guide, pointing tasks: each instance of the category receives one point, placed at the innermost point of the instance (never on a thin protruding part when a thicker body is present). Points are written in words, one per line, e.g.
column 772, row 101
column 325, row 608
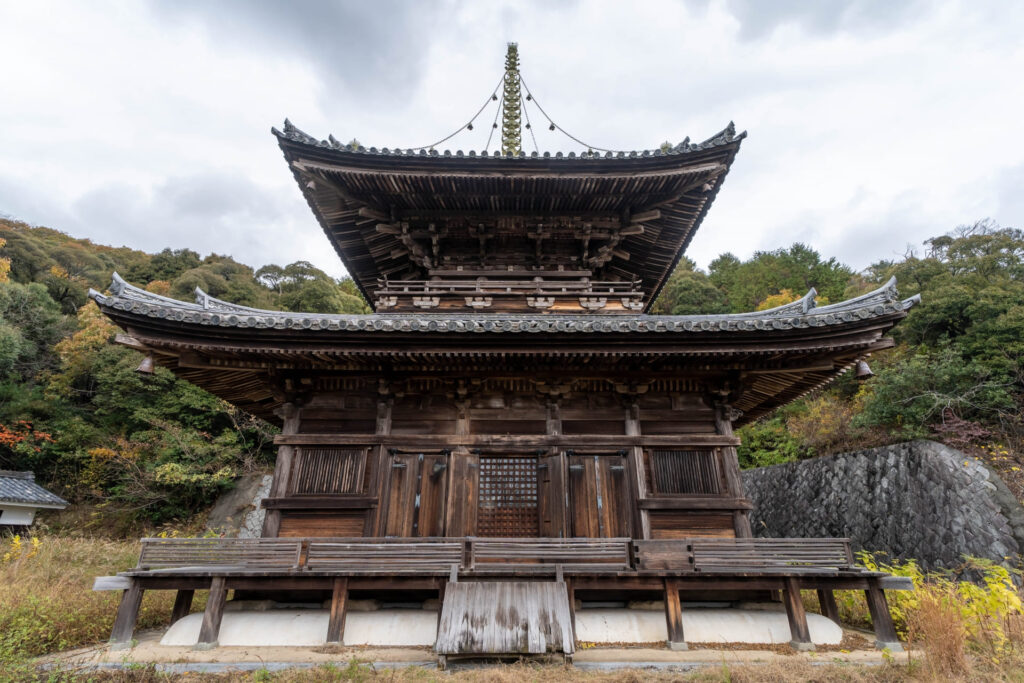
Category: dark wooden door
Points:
column 599, row 501
column 417, row 495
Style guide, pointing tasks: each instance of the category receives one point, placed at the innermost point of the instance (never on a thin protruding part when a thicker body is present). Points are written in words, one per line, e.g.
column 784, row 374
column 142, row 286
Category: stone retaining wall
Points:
column 919, row 500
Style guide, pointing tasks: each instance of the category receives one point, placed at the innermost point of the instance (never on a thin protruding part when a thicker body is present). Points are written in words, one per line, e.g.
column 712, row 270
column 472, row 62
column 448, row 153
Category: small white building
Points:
column 21, row 496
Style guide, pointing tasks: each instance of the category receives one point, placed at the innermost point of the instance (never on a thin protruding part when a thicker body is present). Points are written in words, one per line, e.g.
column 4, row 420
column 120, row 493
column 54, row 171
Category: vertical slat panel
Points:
column 330, row 471
column 685, row 472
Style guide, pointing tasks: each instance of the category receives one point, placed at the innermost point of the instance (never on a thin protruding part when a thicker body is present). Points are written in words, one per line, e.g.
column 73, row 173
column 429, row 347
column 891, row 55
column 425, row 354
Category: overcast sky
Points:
column 872, row 125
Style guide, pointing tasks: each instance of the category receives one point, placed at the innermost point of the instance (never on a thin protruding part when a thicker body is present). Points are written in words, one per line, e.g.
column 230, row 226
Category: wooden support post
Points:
column 210, row 631
column 336, row 625
column 127, row 615
column 291, row 414
column 798, row 631
column 674, row 616
column 827, row 600
column 881, row 619
column 182, row 604
column 730, row 463
column 570, row 591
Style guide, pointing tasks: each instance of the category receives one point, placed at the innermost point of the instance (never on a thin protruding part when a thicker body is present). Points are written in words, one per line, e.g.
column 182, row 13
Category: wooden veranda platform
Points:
column 340, row 565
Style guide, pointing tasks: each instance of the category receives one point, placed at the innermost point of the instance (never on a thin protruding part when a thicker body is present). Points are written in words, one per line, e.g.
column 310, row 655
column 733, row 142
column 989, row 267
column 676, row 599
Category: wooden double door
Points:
column 600, row 504
column 417, row 494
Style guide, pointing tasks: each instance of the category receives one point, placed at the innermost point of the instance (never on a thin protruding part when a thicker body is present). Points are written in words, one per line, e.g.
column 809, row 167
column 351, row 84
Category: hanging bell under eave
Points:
column 863, row 371
column 146, row 366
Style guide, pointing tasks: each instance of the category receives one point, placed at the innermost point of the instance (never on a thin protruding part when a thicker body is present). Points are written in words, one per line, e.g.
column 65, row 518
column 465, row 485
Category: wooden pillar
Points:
column 641, row 520
column 674, row 616
column 127, row 615
column 290, row 412
column 210, row 631
column 382, row 472
column 881, row 619
column 336, row 625
column 827, row 600
column 570, row 591
column 800, row 634
column 731, row 469
column 182, row 605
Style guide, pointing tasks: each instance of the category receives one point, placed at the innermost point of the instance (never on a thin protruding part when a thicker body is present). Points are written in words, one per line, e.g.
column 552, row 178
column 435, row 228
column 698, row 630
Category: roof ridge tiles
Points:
column 214, row 312
column 292, row 133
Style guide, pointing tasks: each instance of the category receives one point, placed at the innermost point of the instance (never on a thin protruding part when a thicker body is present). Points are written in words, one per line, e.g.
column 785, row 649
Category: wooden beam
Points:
column 827, row 600
column 881, row 619
column 798, row 630
column 506, row 440
column 127, row 615
column 210, row 630
column 129, row 341
column 694, row 503
column 182, row 604
column 339, row 599
column 674, row 616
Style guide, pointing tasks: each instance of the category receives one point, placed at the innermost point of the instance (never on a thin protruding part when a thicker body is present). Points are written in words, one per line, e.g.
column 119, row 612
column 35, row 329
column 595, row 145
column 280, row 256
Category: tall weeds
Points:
column 46, row 598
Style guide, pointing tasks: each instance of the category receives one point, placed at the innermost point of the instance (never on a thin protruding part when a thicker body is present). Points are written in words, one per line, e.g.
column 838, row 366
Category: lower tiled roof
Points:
column 21, row 488
column 211, row 312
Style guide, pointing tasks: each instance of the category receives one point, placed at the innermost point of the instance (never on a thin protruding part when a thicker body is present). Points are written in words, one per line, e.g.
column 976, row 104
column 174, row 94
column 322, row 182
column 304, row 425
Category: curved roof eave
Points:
column 210, row 312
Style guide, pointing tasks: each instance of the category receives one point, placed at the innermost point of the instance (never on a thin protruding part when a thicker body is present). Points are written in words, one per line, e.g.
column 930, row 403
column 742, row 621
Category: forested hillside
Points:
column 135, row 449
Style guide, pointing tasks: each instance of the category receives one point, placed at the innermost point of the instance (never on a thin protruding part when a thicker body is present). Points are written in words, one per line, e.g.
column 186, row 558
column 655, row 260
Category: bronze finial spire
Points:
column 511, row 128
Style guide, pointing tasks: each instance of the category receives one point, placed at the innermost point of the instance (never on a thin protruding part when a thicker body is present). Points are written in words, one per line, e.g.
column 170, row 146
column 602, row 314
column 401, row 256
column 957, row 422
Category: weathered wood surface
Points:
column 763, row 553
column 250, row 552
column 545, row 554
column 436, row 557
column 505, row 617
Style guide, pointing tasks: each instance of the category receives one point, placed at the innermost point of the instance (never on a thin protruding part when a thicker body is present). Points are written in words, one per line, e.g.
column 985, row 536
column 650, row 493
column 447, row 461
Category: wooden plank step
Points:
column 505, row 618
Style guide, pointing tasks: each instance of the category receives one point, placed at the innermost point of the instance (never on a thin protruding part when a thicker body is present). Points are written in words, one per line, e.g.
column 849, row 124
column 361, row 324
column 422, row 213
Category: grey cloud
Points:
column 759, row 18
column 209, row 211
column 372, row 47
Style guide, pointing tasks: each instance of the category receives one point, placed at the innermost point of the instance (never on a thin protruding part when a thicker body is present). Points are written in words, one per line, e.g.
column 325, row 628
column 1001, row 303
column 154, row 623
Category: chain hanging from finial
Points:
column 511, row 128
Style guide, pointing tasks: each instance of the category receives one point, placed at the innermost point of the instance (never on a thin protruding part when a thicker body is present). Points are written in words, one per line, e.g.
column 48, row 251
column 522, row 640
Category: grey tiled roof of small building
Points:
column 20, row 487
column 211, row 312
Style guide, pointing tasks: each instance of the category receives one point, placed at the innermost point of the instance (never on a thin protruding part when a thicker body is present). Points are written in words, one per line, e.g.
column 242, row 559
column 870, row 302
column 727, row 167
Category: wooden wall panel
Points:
column 327, row 471
column 462, row 502
column 401, row 493
column 322, row 524
column 666, row 524
column 552, row 495
column 430, row 518
column 676, row 472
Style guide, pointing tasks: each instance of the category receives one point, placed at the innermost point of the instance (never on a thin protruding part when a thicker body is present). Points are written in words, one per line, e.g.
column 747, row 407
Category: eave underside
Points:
column 258, row 375
column 258, row 359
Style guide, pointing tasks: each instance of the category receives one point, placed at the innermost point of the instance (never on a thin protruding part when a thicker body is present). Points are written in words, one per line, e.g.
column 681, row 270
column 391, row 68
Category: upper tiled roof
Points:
column 294, row 134
column 21, row 488
column 208, row 311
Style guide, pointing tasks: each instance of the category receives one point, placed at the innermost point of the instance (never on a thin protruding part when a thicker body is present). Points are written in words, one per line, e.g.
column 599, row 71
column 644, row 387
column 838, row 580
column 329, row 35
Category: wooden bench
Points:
column 771, row 554
column 244, row 553
column 547, row 555
column 384, row 556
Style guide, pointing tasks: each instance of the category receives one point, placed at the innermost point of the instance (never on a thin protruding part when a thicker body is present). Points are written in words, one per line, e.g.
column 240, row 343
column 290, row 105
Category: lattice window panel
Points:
column 508, row 498
column 328, row 471
column 682, row 472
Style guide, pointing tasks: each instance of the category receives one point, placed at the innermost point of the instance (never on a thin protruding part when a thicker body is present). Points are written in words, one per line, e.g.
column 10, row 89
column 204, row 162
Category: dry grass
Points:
column 46, row 598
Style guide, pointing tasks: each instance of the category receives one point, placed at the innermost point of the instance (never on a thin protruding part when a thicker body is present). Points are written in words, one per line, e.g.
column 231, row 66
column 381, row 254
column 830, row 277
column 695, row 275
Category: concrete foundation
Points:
column 412, row 627
column 308, row 627
column 699, row 626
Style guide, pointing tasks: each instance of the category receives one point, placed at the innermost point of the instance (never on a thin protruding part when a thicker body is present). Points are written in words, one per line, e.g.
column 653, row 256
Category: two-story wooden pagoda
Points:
column 509, row 427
